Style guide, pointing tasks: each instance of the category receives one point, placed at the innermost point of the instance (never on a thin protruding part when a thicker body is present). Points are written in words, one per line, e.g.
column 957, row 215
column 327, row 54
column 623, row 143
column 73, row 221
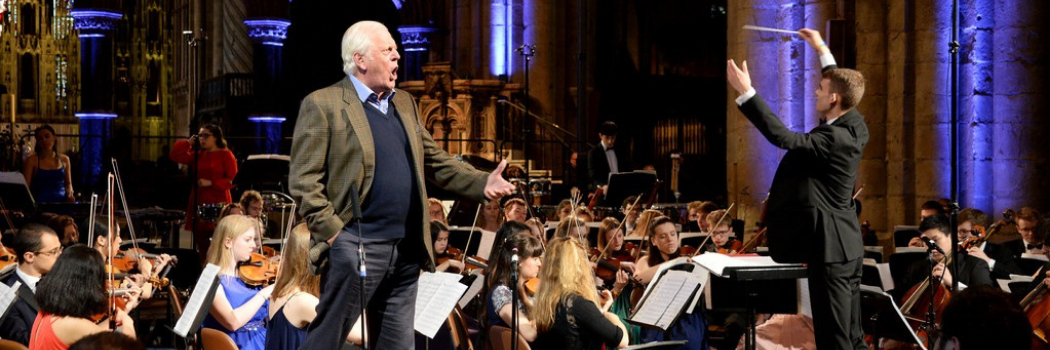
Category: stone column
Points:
column 872, row 47
column 96, row 114
column 268, row 40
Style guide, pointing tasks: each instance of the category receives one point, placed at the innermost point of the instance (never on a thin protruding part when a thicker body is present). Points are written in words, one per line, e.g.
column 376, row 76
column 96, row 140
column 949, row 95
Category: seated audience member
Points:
column 37, row 248
column 107, row 341
column 568, row 312
column 239, row 309
column 515, row 209
column 71, row 296
column 295, row 294
column 498, row 308
column 983, row 317
column 999, row 258
column 972, row 271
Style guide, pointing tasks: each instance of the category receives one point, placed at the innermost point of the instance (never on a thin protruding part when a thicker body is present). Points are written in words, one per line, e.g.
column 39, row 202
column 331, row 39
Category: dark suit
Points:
column 598, row 165
column 15, row 326
column 334, row 152
column 812, row 219
column 1004, row 260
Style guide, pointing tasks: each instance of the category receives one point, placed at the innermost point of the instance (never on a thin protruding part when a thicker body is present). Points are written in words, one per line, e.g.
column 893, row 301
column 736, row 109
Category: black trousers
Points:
column 834, row 292
column 390, row 293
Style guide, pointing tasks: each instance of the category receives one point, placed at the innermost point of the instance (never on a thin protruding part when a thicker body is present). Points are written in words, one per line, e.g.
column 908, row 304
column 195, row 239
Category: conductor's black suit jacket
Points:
column 810, row 210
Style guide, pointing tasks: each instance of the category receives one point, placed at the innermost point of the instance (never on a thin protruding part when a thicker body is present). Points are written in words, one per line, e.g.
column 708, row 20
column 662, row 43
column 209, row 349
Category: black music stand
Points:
column 623, row 185
column 457, row 237
column 659, row 345
column 881, row 317
column 756, row 289
column 264, row 172
column 16, row 194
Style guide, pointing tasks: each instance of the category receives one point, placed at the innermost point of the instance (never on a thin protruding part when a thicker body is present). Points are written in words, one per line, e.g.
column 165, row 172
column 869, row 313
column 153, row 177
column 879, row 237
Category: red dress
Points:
column 43, row 336
column 219, row 166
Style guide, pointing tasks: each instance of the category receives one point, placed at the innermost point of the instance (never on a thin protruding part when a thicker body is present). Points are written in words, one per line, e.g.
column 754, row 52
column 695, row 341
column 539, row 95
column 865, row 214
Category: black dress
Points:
column 282, row 334
column 579, row 324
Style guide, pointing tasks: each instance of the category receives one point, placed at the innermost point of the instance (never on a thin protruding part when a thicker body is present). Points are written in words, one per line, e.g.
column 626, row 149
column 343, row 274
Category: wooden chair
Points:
column 11, row 345
column 499, row 337
column 213, row 339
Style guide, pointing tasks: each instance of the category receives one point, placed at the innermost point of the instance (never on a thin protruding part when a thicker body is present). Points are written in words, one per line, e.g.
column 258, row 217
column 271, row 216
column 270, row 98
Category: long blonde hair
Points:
column 295, row 265
column 566, row 270
column 645, row 219
column 228, row 227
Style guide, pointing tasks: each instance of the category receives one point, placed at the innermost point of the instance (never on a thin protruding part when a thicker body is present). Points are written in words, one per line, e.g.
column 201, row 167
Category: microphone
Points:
column 514, row 257
column 355, row 202
column 931, row 245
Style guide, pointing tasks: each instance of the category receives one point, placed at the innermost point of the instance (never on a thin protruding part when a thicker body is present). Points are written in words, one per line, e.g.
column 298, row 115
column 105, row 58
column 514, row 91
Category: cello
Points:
column 917, row 303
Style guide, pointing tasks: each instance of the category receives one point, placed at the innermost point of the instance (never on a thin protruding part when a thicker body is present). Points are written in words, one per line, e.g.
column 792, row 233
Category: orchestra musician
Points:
column 722, row 240
column 490, row 219
column 48, row 173
column 239, row 309
column 294, row 299
column 111, row 248
column 1029, row 222
column 439, row 231
column 1000, row 259
column 498, row 309
column 252, row 203
column 231, row 209
column 572, row 227
column 70, row 295
column 972, row 271
column 611, row 242
column 37, row 248
column 66, row 227
column 515, row 209
column 568, row 312
column 435, row 210
column 630, row 215
column 536, row 229
column 603, row 160
column 983, row 317
column 664, row 248
column 698, row 215
column 216, row 169
column 811, row 216
column 564, row 209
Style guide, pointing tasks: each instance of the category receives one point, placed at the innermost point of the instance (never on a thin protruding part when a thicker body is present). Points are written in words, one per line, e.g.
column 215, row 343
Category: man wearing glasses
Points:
column 37, row 247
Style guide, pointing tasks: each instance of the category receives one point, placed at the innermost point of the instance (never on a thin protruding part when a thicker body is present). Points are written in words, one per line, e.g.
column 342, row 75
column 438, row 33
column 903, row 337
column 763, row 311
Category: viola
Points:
column 258, row 271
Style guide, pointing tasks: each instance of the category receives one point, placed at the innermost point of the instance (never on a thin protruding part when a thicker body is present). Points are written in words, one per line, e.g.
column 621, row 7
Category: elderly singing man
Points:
column 364, row 135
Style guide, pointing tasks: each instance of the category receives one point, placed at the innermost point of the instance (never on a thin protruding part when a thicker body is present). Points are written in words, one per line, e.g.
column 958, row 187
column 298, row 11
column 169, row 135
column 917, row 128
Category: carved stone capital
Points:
column 94, row 22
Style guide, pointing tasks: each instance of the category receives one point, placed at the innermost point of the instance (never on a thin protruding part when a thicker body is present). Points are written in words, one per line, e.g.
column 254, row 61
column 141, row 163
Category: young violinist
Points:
column 722, row 236
column 37, row 248
column 231, row 209
column 644, row 223
column 572, row 227
column 239, row 309
column 972, row 271
column 630, row 213
column 564, row 209
column 435, row 210
column 66, row 228
column 536, row 229
column 498, row 309
column 139, row 270
column 448, row 261
column 252, row 203
column 295, row 294
column 568, row 311
column 1029, row 222
column 1000, row 260
column 71, row 296
column 489, row 218
column 663, row 248
column 698, row 215
column 610, row 241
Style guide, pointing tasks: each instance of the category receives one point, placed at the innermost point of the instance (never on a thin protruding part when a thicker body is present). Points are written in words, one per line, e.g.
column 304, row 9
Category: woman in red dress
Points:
column 216, row 169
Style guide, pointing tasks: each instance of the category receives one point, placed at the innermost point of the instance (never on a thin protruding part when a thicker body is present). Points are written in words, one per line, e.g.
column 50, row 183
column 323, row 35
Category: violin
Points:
column 532, row 286
column 687, row 251
column 451, row 253
column 257, row 271
column 1036, row 307
column 734, row 247
column 7, row 257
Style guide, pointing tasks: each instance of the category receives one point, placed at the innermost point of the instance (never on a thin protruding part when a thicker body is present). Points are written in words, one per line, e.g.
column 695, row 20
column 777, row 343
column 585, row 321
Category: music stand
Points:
column 16, row 193
column 902, row 234
column 623, row 185
column 881, row 317
column 264, row 172
column 659, row 345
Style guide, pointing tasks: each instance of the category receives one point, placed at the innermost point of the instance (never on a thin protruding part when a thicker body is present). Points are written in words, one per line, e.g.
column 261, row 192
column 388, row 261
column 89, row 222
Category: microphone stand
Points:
column 196, row 144
column 930, row 323
column 355, row 201
column 514, row 300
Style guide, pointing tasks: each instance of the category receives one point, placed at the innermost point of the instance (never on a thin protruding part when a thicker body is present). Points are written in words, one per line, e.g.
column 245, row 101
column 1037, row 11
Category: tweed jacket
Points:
column 333, row 151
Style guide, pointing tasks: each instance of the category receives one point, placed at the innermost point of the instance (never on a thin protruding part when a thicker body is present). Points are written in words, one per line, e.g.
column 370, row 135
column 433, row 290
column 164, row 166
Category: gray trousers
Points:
column 390, row 293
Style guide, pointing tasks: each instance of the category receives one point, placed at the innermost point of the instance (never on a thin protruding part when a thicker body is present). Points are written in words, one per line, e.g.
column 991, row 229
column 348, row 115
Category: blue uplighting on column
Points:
column 268, row 31
column 268, row 127
column 501, row 44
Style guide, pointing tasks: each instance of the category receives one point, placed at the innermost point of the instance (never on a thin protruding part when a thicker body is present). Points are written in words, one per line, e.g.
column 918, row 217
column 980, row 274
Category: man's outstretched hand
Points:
column 739, row 79
column 813, row 38
column 496, row 186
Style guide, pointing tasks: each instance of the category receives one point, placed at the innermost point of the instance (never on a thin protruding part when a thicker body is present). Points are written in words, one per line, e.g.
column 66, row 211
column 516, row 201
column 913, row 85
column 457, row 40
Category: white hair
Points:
column 357, row 39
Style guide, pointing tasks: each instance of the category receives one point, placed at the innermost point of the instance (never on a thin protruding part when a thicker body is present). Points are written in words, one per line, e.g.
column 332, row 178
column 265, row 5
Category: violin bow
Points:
column 532, row 215
column 110, row 221
column 855, row 194
column 124, row 203
column 91, row 220
column 709, row 234
column 284, row 240
column 471, row 235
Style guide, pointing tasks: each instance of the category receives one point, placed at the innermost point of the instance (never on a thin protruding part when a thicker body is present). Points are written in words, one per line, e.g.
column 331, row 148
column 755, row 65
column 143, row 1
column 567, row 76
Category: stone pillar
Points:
column 415, row 41
column 268, row 40
column 872, row 61
column 96, row 98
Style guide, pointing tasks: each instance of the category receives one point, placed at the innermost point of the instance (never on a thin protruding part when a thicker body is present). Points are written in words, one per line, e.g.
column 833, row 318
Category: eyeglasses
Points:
column 56, row 251
column 720, row 233
column 203, row 135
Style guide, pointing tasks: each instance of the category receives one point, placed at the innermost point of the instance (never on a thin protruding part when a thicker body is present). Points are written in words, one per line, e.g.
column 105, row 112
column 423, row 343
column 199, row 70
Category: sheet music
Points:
column 209, row 278
column 474, row 288
column 805, row 306
column 1039, row 257
column 668, row 298
column 436, row 296
column 7, row 296
column 910, row 250
column 885, row 278
column 487, row 239
column 896, row 309
column 716, row 263
column 13, row 177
